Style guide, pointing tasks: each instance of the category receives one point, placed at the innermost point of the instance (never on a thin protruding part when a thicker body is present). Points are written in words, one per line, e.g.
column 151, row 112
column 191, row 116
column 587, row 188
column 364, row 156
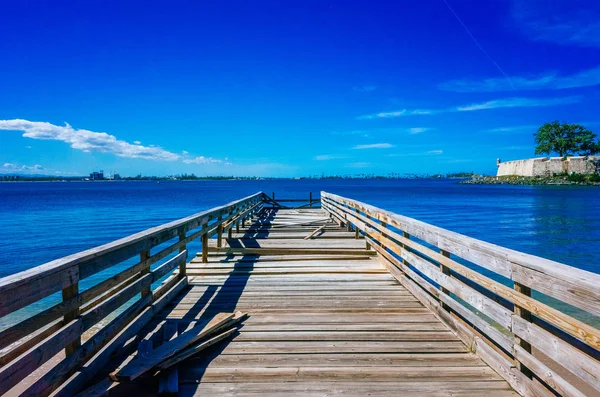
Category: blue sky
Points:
column 290, row 88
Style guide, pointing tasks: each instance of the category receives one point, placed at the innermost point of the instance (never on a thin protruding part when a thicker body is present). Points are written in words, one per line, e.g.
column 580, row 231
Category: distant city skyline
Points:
column 290, row 89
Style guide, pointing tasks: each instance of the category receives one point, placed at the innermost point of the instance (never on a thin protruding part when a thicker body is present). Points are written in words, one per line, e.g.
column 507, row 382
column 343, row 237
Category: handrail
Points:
column 519, row 336
column 27, row 345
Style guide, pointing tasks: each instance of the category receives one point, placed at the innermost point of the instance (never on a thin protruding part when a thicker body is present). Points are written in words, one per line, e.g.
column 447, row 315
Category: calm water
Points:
column 44, row 221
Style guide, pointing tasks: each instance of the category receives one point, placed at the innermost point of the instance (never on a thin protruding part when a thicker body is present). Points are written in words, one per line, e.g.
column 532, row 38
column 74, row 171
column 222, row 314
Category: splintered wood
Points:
column 325, row 318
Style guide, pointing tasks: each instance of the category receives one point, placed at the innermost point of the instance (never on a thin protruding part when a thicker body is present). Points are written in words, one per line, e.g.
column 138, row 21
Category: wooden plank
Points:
column 99, row 312
column 572, row 359
column 548, row 376
column 99, row 361
column 184, row 355
column 345, row 336
column 291, row 359
column 169, row 380
column 138, row 367
column 317, row 230
column 29, row 361
column 22, row 289
column 522, row 384
column 314, row 347
column 564, row 289
column 350, row 388
column 171, row 264
column 356, row 374
column 294, row 251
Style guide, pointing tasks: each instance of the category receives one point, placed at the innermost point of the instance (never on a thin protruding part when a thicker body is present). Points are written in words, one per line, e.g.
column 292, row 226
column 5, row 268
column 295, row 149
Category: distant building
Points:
column 97, row 176
column 116, row 176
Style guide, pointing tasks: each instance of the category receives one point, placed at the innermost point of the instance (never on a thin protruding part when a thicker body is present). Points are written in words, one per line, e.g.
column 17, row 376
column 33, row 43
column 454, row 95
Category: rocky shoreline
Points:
column 573, row 179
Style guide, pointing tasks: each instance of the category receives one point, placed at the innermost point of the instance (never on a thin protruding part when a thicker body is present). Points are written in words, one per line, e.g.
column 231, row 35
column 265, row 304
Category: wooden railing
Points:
column 484, row 293
column 311, row 202
column 124, row 300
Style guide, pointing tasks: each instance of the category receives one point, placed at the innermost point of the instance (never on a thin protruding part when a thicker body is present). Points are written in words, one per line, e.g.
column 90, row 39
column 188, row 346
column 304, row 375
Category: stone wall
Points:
column 544, row 166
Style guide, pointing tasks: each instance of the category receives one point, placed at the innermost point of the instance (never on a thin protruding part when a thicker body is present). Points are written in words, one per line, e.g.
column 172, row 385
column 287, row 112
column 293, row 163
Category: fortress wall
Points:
column 544, row 166
column 582, row 165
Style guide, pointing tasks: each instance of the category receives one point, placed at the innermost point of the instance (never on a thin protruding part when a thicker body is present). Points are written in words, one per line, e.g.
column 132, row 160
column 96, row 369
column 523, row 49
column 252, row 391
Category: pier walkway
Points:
column 344, row 299
column 325, row 318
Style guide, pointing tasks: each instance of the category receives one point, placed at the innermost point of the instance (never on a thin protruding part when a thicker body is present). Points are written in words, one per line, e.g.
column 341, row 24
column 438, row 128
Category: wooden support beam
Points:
column 446, row 271
column 68, row 294
column 526, row 315
column 144, row 257
column 182, row 265
column 317, row 230
column 367, row 245
column 205, row 248
column 168, row 382
column 220, row 232
column 138, row 367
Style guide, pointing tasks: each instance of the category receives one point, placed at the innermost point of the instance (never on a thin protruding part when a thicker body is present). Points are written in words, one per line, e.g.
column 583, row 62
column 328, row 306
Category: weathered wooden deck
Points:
column 348, row 299
column 325, row 318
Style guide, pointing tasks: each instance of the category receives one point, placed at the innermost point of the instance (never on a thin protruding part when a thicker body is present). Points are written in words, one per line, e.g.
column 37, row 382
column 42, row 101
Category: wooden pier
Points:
column 347, row 299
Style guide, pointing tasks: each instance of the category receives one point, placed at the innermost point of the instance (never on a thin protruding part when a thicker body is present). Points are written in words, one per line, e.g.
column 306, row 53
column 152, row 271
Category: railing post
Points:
column 525, row 315
column 205, row 248
column 182, row 266
column 68, row 293
column 220, row 232
column 407, row 236
column 356, row 231
column 144, row 257
column 230, row 228
column 446, row 271
column 367, row 245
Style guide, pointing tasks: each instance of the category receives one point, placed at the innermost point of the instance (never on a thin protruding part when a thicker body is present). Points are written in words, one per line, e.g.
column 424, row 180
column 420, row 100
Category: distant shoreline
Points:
column 11, row 178
column 560, row 180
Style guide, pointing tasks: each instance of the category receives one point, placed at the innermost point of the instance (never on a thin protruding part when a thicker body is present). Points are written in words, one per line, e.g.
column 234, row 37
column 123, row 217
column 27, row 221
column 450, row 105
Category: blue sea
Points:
column 42, row 221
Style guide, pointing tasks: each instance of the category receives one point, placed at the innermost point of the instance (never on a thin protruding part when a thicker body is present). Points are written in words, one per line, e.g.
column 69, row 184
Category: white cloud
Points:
column 561, row 22
column 374, row 146
column 202, row 160
column 365, row 88
column 324, row 157
column 137, row 142
column 360, row 164
column 549, row 81
column 429, row 152
column 11, row 167
column 418, row 130
column 516, row 102
column 396, row 113
column 515, row 128
column 85, row 140
column 184, row 152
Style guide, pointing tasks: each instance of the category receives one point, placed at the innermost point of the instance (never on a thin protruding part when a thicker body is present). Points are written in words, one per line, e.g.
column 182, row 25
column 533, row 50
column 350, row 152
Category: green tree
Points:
column 566, row 140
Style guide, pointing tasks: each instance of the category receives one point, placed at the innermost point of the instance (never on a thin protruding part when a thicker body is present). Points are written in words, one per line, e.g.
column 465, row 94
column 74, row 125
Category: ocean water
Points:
column 42, row 221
